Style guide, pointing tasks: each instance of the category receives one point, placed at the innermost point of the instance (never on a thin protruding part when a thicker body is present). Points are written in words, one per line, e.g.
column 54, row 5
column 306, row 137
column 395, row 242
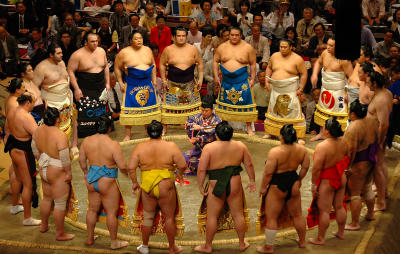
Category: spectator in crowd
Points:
column 3, row 20
column 106, row 38
column 277, row 22
column 148, row 20
column 221, row 37
column 71, row 28
column 261, row 95
column 66, row 46
column 41, row 12
column 62, row 6
column 209, row 80
column 127, row 30
column 258, row 20
column 119, row 18
column 381, row 49
column 131, row 6
column 373, row 11
column 217, row 9
column 228, row 20
column 206, row 17
column 205, row 46
column 9, row 53
column 305, row 28
column 394, row 51
column 161, row 34
column 228, row 4
column 37, row 47
column 297, row 7
column 244, row 18
column 260, row 45
column 194, row 35
column 311, row 127
column 291, row 34
column 395, row 26
column 318, row 41
column 367, row 38
column 81, row 23
column 20, row 23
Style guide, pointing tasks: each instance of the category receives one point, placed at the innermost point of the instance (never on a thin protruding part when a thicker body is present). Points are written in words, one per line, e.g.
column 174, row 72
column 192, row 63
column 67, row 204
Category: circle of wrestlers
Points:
column 54, row 102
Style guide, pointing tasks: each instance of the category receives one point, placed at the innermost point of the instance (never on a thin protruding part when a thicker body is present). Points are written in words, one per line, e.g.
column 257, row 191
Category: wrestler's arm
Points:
column 318, row 163
column 179, row 161
column 63, row 143
column 305, row 165
column 38, row 76
column 347, row 68
column 154, row 72
column 82, row 158
column 200, row 67
column 270, row 167
column 301, row 68
column 202, row 169
column 216, row 61
column 268, row 73
column 383, row 118
column 30, row 124
column 248, row 164
column 316, row 70
column 119, row 158
column 117, row 70
column 163, row 68
column 106, row 73
column 73, row 64
column 132, row 165
column 351, row 139
column 253, row 63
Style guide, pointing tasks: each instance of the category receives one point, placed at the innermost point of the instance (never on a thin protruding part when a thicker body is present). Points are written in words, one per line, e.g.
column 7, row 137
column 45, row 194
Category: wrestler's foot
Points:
column 74, row 150
column 176, row 249
column 250, row 132
column 65, row 237
column 301, row 142
column 243, row 246
column 301, row 244
column 370, row 217
column 115, row 244
column 144, row 249
column 44, row 228
column 90, row 242
column 380, row 208
column 14, row 209
column 316, row 241
column 352, row 227
column 339, row 235
column 126, row 138
column 317, row 137
column 31, row 222
column 265, row 249
column 266, row 136
column 203, row 249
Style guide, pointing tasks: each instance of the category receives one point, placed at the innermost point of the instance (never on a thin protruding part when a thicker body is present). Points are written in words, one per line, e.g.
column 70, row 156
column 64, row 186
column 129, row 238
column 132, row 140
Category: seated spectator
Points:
column 221, row 37
column 367, row 38
column 194, row 35
column 148, row 20
column 161, row 34
column 37, row 47
column 258, row 20
column 9, row 53
column 394, row 120
column 261, row 95
column 3, row 20
column 95, row 7
column 127, row 30
column 305, row 28
column 66, row 46
column 131, row 6
column 119, row 18
column 107, row 42
column 373, row 11
column 381, row 49
column 393, row 61
column 311, row 126
column 318, row 42
column 244, row 18
column 206, row 17
column 277, row 21
column 228, row 4
column 217, row 9
column 69, row 26
column 81, row 23
column 205, row 46
column 297, row 7
column 394, row 51
column 260, row 45
column 395, row 26
column 228, row 20
column 291, row 34
column 20, row 23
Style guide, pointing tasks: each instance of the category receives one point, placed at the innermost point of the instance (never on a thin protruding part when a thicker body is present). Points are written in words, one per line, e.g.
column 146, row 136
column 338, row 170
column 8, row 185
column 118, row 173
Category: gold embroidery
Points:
column 233, row 95
column 244, row 87
column 282, row 105
column 142, row 97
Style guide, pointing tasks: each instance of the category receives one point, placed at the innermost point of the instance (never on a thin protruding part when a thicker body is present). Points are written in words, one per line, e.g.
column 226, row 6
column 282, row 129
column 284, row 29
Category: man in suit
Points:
column 20, row 23
column 9, row 54
column 318, row 42
column 127, row 30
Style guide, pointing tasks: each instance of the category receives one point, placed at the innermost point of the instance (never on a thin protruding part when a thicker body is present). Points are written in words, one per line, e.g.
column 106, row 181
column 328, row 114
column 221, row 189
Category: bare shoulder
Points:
column 100, row 51
column 41, row 66
column 274, row 151
column 297, row 57
column 274, row 56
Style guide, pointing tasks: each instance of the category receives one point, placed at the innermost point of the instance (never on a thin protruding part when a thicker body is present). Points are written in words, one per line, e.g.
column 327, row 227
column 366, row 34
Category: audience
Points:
column 161, row 34
column 194, row 35
column 9, row 53
column 127, row 30
column 260, row 45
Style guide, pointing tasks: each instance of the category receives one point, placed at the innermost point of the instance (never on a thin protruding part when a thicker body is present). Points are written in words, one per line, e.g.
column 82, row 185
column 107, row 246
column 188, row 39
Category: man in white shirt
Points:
column 194, row 35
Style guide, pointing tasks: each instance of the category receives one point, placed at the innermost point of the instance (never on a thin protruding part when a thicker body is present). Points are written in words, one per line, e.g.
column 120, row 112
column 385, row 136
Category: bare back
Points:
column 225, row 153
column 47, row 73
column 50, row 140
column 181, row 57
column 233, row 57
column 21, row 124
column 332, row 151
column 288, row 157
column 100, row 150
column 381, row 105
column 10, row 104
column 284, row 67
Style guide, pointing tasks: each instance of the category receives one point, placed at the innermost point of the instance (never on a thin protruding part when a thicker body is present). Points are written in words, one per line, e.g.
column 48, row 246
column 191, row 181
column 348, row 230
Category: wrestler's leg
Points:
column 60, row 191
column 15, row 186
column 294, row 209
column 149, row 206
column 369, row 197
column 320, row 135
column 167, row 202
column 325, row 199
column 274, row 203
column 214, row 207
column 339, row 208
column 250, row 129
column 128, row 129
column 235, row 202
column 110, row 197
column 91, row 215
column 74, row 148
column 380, row 178
column 22, row 173
column 45, row 206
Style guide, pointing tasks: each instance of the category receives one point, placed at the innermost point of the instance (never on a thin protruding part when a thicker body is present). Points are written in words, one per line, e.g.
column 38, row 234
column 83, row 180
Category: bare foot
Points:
column 126, row 138
column 266, row 136
column 90, row 242
column 301, row 244
column 370, row 217
column 316, row 241
column 177, row 249
column 203, row 249
column 379, row 208
column 244, row 246
column 317, row 137
column 118, row 244
column 352, row 227
column 265, row 249
column 301, row 142
column 44, row 228
column 339, row 236
column 65, row 237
